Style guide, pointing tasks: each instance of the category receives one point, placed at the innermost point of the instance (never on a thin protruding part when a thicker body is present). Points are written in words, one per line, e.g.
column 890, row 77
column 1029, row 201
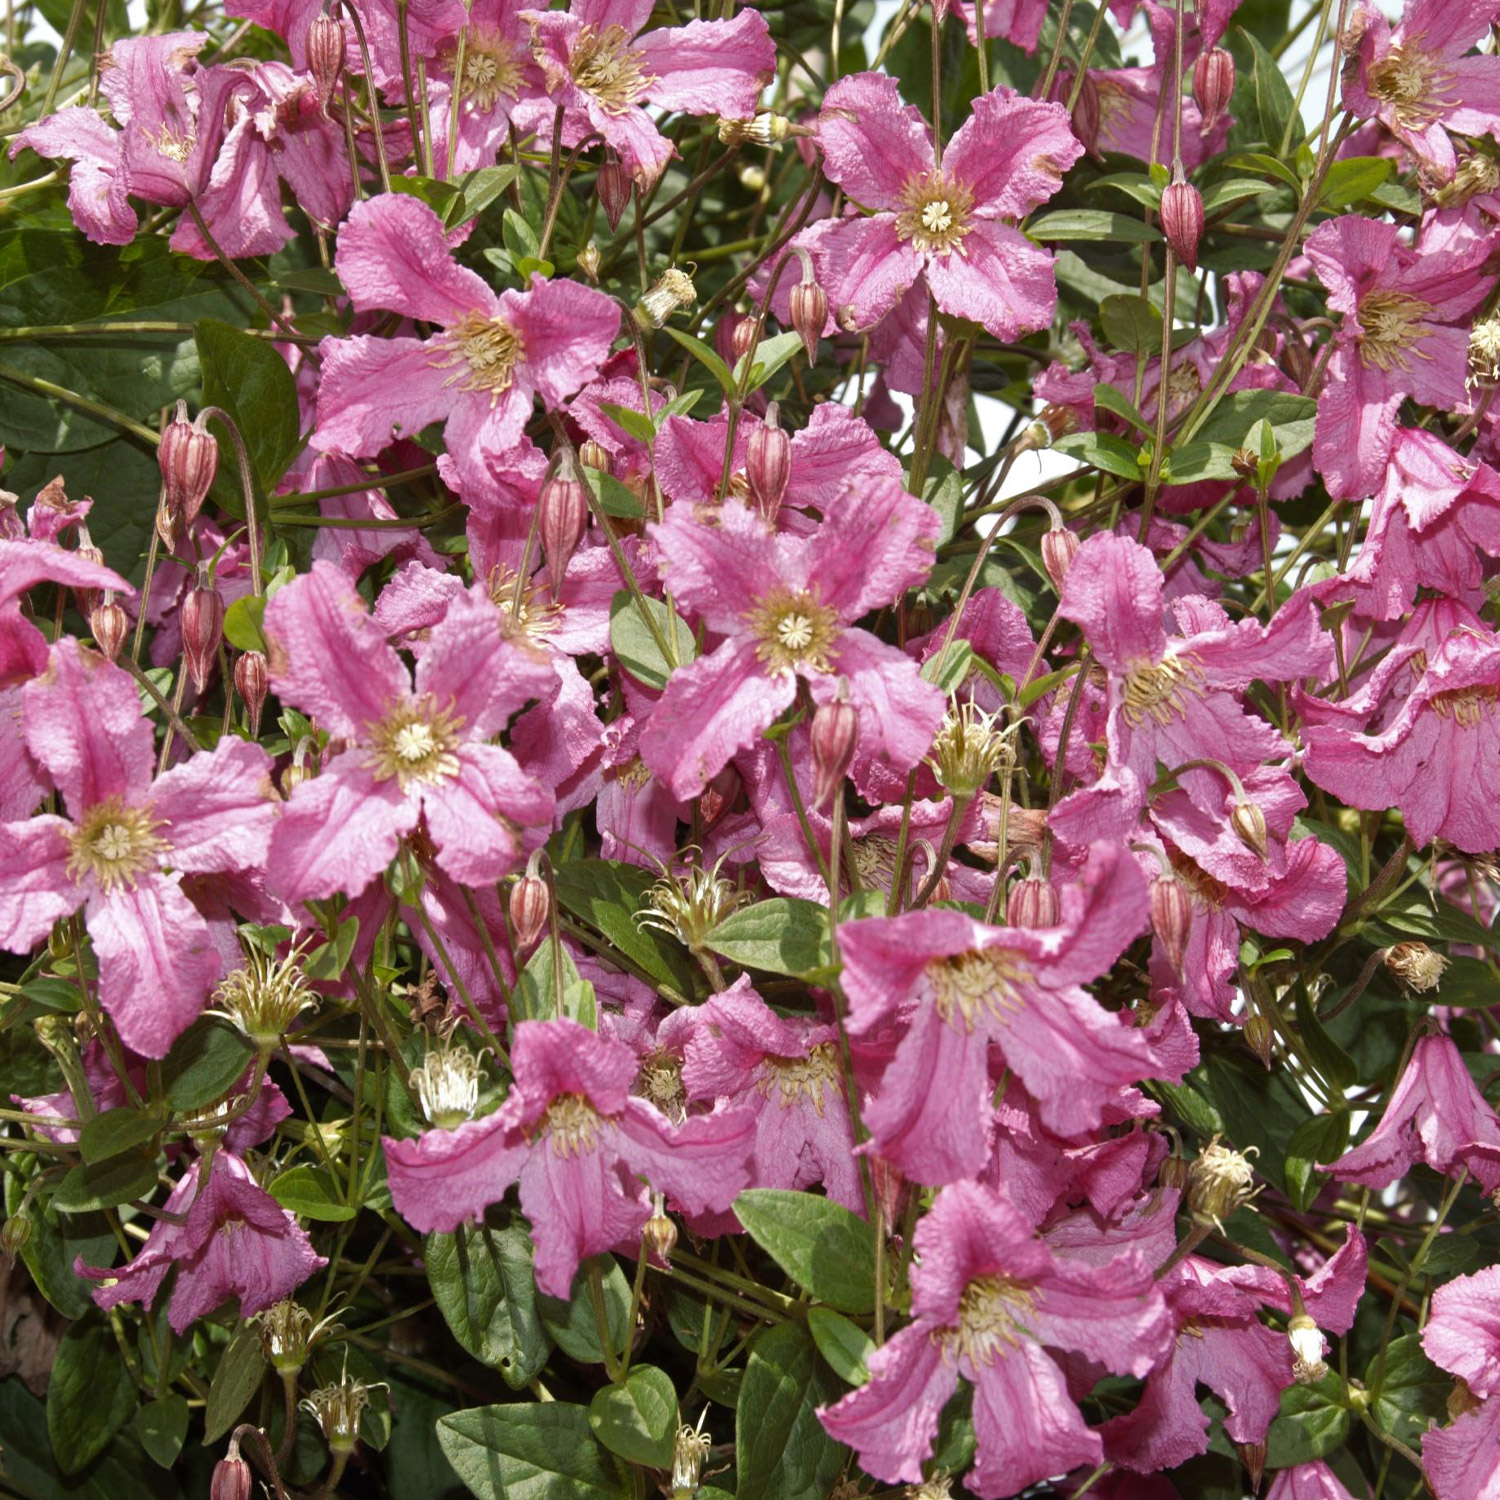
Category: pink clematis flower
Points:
column 1435, row 760
column 428, row 24
column 238, row 1241
column 1400, row 337
column 1417, row 81
column 601, row 72
column 1310, row 1481
column 787, row 1071
column 480, row 374
column 579, row 1142
column 943, row 223
column 1462, row 1460
column 987, row 1296
column 1436, row 1115
column 127, row 842
column 952, row 988
column 413, row 754
column 785, row 607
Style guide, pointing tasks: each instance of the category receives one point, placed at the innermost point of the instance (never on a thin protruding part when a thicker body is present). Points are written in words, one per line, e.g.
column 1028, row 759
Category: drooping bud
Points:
column 325, row 56
column 1308, row 1346
column 1032, row 903
column 232, row 1479
column 768, row 463
column 1253, row 1456
column 718, row 794
column 1220, row 1180
column 613, row 187
column 1172, row 1173
column 1171, row 917
column 530, row 907
column 202, row 629
column 15, row 1235
column 1059, row 548
column 741, row 338
column 189, row 459
column 1249, row 824
column 1213, row 85
column 659, row 1232
column 252, row 682
column 1260, row 1037
column 1086, row 115
column 671, row 290
column 594, row 455
column 1417, row 966
column 1296, row 358
column 589, row 261
column 110, row 625
column 809, row 309
column 447, row 1085
column 1182, row 220
column 564, row 513
column 835, row 737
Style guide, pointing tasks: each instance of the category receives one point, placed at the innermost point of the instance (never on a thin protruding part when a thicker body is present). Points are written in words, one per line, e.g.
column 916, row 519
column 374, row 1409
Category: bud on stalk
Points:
column 110, row 625
column 768, row 464
column 594, row 455
column 1032, row 903
column 325, row 56
column 740, row 336
column 835, row 737
column 1249, row 824
column 1213, row 85
column 1182, row 220
column 589, row 261
column 252, row 681
column 1059, row 548
column 564, row 515
column 1171, row 917
column 232, row 1479
column 189, row 459
column 202, row 629
column 530, row 906
column 1086, row 116
column 809, row 308
column 613, row 188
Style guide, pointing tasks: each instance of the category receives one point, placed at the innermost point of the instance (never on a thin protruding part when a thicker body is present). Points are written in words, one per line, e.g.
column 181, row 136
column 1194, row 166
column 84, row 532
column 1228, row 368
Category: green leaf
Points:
column 1323, row 1138
column 1134, row 185
column 251, row 381
column 1271, row 95
column 633, row 423
column 1107, row 398
column 1256, row 161
column 482, row 1282
column 781, row 1451
column 536, row 992
column 638, row 1418
column 443, row 198
column 785, row 935
column 237, row 1379
column 817, row 1242
column 1353, row 179
column 482, row 187
column 613, row 498
column 845, row 1345
column 57, row 1240
column 162, row 1427
column 635, row 647
column 606, row 894
column 203, row 1063
column 116, row 1130
column 1191, row 1107
column 243, row 624
column 1100, row 450
column 1310, row 1426
column 106, row 1184
column 1233, row 190
column 311, row 1193
column 1410, row 1393
column 704, row 355
column 90, row 1394
column 1332, row 1062
column 535, row 1450
column 519, row 237
column 328, row 961
column 1292, row 419
column 1198, row 460
column 1468, row 984
column 1414, row 916
column 766, row 358
column 573, row 1325
column 1131, row 323
column 1091, row 224
column 955, row 664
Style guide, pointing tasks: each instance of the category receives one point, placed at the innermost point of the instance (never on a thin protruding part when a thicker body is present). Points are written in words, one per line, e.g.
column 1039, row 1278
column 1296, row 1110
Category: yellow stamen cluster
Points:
column 980, row 983
column 935, row 213
column 1391, row 330
column 791, row 1077
column 793, row 632
column 604, row 64
column 415, row 743
column 483, row 352
column 1154, row 689
column 114, row 843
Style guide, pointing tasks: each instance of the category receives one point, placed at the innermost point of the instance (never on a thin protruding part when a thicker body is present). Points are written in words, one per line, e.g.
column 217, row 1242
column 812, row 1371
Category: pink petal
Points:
column 703, row 1164
column 36, row 890
column 1026, row 1424
column 566, row 330
column 873, row 145
column 1012, row 152
column 1113, row 593
column 899, row 713
column 710, row 67
column 871, row 266
column 375, row 390
column 97, row 189
column 218, row 808
column 477, row 819
column 998, row 278
column 447, row 1177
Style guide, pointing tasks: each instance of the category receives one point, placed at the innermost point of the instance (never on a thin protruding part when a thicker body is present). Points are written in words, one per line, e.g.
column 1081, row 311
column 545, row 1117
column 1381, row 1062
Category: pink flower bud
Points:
column 189, row 459
column 835, row 737
column 1182, row 221
column 1249, row 823
column 564, row 514
column 1059, row 548
column 110, row 625
column 1086, row 115
column 1171, row 916
column 252, row 682
column 1032, row 903
column 325, row 56
column 530, row 907
column 742, row 338
column 1213, row 85
column 202, row 630
column 768, row 464
column 232, row 1479
column 613, row 187
column 809, row 312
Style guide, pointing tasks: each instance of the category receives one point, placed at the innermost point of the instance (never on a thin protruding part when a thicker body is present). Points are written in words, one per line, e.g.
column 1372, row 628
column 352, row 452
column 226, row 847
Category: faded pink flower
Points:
column 1462, row 1460
column 1310, row 1481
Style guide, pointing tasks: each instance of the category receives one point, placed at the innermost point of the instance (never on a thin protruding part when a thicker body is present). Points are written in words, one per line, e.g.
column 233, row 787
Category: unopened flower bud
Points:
column 1308, row 1345
column 1171, row 917
column 1260, row 1038
column 594, row 455
column 613, row 187
column 1417, row 966
column 670, row 291
column 659, row 1232
column 1249, row 824
column 15, row 1235
column 765, row 129
column 1220, row 1180
column 718, row 794
column 1032, row 903
column 809, row 309
column 1253, row 1456
column 835, row 737
column 1086, row 115
column 530, row 906
column 589, row 261
column 1172, row 1174
column 325, row 56
column 189, row 459
column 232, row 1479
column 1297, row 359
column 110, row 625
column 741, row 337
column 1059, row 548
column 768, row 464
column 1182, row 221
column 564, row 513
column 252, row 682
column 202, row 630
column 1213, row 85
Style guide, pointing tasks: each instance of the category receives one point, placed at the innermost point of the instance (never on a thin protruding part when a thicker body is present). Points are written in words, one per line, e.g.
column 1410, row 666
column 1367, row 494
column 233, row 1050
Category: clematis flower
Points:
column 1399, row 337
column 428, row 24
column 237, row 1241
column 601, row 70
column 1309, row 1481
column 951, row 988
column 479, row 374
column 1434, row 760
column 787, row 1071
column 1417, row 81
column 580, row 1144
column 1436, row 1115
column 1462, row 1337
column 127, row 842
column 989, row 1300
column 413, row 754
column 785, row 607
column 943, row 224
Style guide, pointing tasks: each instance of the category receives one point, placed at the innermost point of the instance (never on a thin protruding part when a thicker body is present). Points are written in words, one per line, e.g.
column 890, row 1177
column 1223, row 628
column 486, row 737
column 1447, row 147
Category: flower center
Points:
column 1184, row 384
column 485, row 352
column 981, row 982
column 1154, row 690
column 794, row 633
column 874, row 858
column 492, row 69
column 173, row 143
column 113, row 843
column 572, row 1124
column 604, row 65
column 1414, row 83
column 660, row 1082
column 415, row 744
column 529, row 613
column 935, row 213
column 993, row 1314
column 811, row 1075
column 1390, row 323
column 1466, row 706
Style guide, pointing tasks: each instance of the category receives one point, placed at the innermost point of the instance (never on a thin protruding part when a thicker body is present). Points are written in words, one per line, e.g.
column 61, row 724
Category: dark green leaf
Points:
column 242, row 624
column 767, row 358
column 1090, row 224
column 1272, row 96
column 106, row 1184
column 535, row 1450
column 781, row 1451
column 606, row 894
column 1191, row 462
column 251, row 381
column 203, row 1063
column 573, row 1324
column 704, row 355
column 1311, row 1424
column 1101, row 450
column 638, row 1418
column 312, row 1194
column 90, row 1394
column 633, row 423
column 631, row 640
column 482, row 1282
column 785, row 935
column 1411, row 1391
column 1107, row 398
column 1352, row 179
column 162, row 1426
column 817, row 1242
column 614, row 498
column 1323, row 1139
column 954, row 665
column 328, row 961
column 1292, row 419
column 116, row 1130
column 237, row 1379
column 56, row 1241
column 1332, row 1062
column 845, row 1345
column 536, row 996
